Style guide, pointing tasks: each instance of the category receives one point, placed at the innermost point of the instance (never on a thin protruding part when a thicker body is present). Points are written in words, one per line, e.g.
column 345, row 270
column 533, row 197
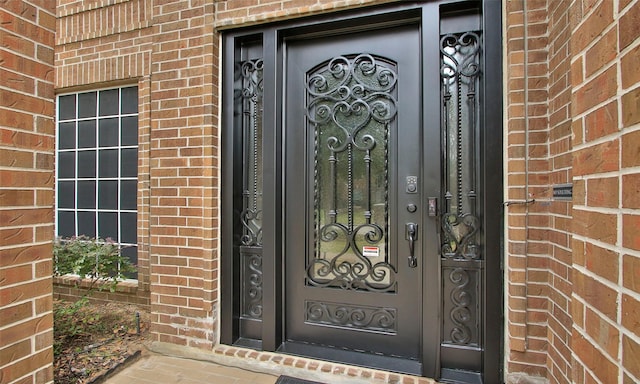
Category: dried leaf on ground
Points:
column 91, row 339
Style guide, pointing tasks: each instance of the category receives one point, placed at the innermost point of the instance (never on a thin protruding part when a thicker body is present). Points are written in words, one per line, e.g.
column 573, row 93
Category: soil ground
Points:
column 93, row 338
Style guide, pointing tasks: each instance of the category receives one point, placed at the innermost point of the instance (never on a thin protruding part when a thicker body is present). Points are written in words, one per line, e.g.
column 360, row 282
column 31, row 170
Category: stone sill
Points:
column 124, row 286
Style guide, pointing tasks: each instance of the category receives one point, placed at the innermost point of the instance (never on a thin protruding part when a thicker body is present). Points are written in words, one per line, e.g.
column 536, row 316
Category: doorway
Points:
column 362, row 189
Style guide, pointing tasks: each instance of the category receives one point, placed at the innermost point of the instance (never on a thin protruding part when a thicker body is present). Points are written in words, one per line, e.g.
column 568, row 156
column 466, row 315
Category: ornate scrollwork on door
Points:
column 251, row 272
column 351, row 106
column 363, row 318
column 460, row 71
column 251, row 215
column 461, row 249
column 461, row 299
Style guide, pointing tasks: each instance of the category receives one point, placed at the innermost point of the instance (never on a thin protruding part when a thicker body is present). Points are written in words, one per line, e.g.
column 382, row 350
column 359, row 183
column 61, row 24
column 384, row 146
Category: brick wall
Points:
column 105, row 44
column 559, row 219
column 605, row 50
column 184, row 174
column 573, row 266
column 26, row 191
column 528, row 223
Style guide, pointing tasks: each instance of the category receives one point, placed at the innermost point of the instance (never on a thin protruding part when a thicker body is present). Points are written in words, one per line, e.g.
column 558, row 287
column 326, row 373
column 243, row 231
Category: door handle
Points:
column 411, row 234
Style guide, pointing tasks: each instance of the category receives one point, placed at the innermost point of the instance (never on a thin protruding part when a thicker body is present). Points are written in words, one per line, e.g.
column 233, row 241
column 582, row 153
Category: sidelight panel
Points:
column 460, row 73
column 462, row 240
column 251, row 215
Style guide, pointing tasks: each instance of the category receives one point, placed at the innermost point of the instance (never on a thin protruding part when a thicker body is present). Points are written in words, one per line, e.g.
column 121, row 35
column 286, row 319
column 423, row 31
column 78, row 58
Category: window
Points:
column 97, row 166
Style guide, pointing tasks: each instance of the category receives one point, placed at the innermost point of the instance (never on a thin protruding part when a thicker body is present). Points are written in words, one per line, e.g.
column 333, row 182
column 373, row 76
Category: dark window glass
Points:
column 128, row 194
column 131, row 253
column 109, row 102
column 86, row 164
column 108, row 194
column 128, row 227
column 129, row 162
column 87, row 134
column 108, row 225
column 108, row 165
column 87, row 194
column 87, row 223
column 129, row 127
column 66, row 194
column 129, row 100
column 66, row 165
column 67, row 107
column 87, row 104
column 66, row 223
column 108, row 132
column 67, row 135
column 90, row 181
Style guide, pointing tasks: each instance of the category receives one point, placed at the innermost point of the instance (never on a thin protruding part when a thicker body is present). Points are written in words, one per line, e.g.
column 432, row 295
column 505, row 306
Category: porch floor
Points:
column 159, row 369
column 167, row 363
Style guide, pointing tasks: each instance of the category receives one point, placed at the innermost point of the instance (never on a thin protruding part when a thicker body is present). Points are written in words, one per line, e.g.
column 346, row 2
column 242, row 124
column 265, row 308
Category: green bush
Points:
column 99, row 260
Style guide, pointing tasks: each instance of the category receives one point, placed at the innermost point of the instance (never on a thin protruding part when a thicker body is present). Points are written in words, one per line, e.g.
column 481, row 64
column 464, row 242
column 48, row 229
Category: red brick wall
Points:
column 26, row 190
column 559, row 160
column 605, row 50
column 573, row 266
column 184, row 173
column 107, row 44
column 528, row 224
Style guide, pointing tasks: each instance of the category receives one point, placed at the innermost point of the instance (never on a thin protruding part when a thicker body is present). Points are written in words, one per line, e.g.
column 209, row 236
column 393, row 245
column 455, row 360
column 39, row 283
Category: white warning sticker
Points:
column 370, row 251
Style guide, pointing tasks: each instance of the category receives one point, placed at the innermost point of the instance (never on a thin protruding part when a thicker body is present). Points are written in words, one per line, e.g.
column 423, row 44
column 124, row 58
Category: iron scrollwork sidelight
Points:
column 252, row 92
column 460, row 73
column 460, row 314
column 460, row 78
column 251, row 215
column 350, row 108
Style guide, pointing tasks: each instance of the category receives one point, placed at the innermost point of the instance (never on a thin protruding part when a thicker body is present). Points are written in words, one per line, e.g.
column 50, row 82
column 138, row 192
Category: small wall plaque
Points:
column 563, row 192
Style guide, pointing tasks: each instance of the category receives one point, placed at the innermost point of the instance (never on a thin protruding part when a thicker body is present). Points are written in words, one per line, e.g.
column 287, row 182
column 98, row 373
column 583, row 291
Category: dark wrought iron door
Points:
column 353, row 241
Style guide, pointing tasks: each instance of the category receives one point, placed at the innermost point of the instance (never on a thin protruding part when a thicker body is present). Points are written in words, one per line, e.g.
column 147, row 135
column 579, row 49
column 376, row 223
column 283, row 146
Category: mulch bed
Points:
column 92, row 341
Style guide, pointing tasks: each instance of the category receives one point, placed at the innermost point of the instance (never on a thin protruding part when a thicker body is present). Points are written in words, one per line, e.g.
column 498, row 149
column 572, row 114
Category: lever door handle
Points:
column 412, row 235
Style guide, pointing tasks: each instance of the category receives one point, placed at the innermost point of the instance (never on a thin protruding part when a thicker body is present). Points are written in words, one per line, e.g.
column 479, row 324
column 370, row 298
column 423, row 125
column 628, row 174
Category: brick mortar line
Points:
column 624, row 171
column 619, row 289
column 606, row 210
column 614, row 324
column 33, row 58
column 600, row 140
column 28, row 150
column 30, row 318
column 35, row 243
column 610, row 247
column 32, row 95
column 69, row 10
column 617, row 362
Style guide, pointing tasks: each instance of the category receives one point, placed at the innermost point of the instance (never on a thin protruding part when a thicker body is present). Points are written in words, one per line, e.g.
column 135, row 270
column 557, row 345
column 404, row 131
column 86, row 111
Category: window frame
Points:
column 93, row 180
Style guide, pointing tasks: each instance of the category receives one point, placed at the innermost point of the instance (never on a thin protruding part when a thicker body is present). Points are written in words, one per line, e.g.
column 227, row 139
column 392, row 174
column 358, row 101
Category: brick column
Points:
column 184, row 173
column 26, row 191
column 527, row 244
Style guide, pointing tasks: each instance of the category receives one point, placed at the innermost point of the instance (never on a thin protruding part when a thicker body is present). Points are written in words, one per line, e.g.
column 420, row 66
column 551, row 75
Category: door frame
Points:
column 271, row 38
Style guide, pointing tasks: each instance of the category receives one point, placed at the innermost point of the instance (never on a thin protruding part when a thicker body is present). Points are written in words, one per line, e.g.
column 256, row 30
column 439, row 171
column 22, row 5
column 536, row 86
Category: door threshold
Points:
column 361, row 359
column 448, row 375
column 248, row 343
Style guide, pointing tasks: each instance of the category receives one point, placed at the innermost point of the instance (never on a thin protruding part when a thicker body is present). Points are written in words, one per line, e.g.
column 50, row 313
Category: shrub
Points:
column 97, row 259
